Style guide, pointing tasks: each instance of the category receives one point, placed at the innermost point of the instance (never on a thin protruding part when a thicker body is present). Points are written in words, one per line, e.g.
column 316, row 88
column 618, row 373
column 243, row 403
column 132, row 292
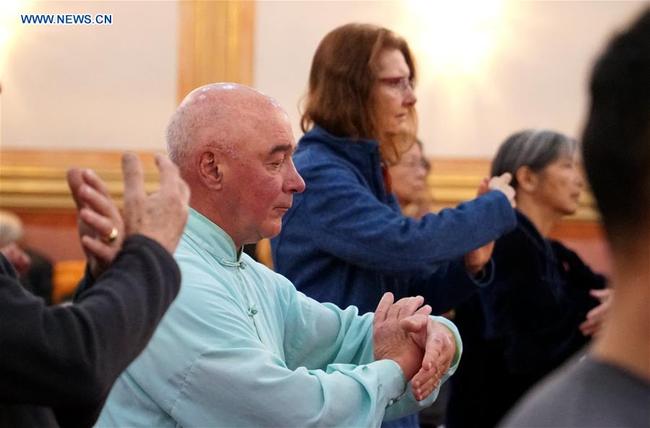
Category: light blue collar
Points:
column 212, row 239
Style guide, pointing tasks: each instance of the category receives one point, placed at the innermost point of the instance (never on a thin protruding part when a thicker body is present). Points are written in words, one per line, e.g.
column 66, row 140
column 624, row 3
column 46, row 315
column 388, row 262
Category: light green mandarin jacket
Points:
column 240, row 347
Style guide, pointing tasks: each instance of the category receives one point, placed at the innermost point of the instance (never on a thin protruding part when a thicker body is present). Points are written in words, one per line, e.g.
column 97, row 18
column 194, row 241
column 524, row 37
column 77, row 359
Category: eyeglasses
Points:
column 402, row 84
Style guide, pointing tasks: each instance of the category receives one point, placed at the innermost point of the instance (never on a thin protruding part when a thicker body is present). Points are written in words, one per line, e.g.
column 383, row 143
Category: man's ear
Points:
column 527, row 179
column 210, row 170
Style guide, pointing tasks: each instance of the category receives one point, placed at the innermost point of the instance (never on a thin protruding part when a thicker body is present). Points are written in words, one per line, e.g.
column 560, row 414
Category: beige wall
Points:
column 114, row 87
column 92, row 87
column 534, row 75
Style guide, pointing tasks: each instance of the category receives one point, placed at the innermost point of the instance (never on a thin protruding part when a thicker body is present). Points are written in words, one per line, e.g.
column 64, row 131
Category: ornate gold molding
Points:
column 215, row 43
column 36, row 179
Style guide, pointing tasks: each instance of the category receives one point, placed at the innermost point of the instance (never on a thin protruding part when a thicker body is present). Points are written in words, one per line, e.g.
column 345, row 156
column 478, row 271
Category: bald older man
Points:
column 240, row 346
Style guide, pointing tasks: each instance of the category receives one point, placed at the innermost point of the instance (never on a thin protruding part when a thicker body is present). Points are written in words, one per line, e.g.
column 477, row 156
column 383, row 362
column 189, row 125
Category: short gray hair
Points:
column 11, row 228
column 534, row 148
column 180, row 134
column 215, row 106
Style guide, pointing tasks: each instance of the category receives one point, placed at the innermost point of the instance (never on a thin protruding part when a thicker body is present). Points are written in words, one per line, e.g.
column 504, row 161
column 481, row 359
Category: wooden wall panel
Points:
column 53, row 232
column 32, row 184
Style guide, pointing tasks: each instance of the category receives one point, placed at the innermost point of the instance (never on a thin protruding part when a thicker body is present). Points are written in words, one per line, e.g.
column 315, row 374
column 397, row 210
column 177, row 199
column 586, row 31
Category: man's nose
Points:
column 293, row 181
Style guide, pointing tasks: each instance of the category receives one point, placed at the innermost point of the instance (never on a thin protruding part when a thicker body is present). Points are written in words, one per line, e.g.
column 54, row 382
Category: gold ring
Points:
column 112, row 236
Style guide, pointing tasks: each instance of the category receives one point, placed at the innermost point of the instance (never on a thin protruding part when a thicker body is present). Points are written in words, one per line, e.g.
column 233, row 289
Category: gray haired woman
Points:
column 544, row 302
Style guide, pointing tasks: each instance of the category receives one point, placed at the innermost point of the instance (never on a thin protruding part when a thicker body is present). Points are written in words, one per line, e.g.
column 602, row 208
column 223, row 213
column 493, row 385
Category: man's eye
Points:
column 277, row 164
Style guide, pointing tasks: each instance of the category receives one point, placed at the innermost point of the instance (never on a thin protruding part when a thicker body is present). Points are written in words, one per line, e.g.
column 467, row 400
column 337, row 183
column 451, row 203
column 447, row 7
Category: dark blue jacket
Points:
column 520, row 328
column 346, row 241
column 538, row 301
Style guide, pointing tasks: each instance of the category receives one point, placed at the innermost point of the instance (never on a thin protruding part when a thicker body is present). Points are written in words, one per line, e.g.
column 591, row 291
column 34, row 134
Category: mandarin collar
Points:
column 212, row 238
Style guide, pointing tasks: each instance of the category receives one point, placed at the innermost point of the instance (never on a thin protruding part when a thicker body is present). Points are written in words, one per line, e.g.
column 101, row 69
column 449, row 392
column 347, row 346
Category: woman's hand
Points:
column 595, row 317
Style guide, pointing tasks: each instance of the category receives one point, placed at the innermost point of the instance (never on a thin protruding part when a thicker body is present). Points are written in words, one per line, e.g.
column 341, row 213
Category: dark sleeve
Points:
column 64, row 356
column 534, row 306
column 348, row 221
column 450, row 285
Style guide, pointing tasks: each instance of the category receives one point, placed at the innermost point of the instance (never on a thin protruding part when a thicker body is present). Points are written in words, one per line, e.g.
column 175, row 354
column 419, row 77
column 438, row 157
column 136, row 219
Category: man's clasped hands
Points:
column 422, row 347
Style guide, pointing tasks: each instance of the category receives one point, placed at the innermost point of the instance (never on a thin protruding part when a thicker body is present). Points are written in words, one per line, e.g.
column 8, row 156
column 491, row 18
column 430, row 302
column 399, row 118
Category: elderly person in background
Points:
column 345, row 240
column 11, row 228
column 34, row 269
column 240, row 346
column 409, row 182
column 610, row 387
column 541, row 307
column 11, row 232
column 57, row 363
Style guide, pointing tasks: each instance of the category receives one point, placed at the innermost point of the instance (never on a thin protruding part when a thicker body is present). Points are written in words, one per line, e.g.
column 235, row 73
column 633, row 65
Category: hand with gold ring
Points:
column 101, row 227
column 112, row 237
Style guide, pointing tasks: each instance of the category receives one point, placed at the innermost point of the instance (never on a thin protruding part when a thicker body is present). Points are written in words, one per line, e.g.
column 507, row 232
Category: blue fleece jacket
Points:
column 346, row 241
